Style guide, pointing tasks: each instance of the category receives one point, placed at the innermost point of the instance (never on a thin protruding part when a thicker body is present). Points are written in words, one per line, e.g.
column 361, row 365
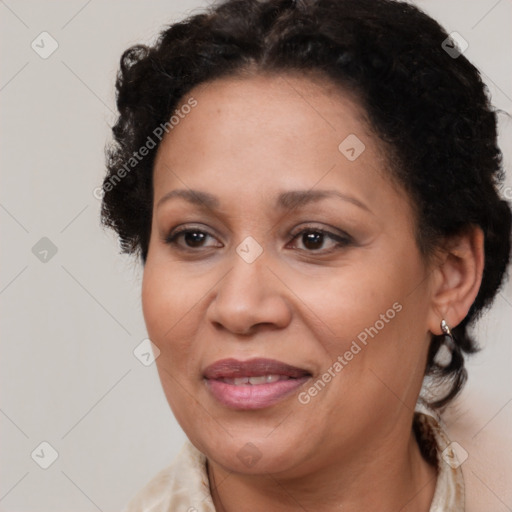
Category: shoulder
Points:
column 182, row 486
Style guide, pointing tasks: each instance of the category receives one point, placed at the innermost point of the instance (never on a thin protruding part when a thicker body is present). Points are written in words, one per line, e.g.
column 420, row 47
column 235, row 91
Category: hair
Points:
column 429, row 108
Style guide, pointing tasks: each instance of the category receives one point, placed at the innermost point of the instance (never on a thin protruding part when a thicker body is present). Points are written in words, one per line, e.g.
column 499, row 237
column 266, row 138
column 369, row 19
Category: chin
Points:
column 252, row 454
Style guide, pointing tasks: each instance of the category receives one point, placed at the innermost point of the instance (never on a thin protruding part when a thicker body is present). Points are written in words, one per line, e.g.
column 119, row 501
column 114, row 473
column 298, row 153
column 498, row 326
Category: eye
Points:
column 191, row 237
column 314, row 239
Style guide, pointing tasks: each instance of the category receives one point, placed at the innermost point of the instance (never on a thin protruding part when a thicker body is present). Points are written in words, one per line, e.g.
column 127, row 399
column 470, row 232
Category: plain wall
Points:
column 69, row 325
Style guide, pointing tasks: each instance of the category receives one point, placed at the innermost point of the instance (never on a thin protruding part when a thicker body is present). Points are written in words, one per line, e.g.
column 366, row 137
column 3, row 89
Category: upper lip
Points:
column 233, row 368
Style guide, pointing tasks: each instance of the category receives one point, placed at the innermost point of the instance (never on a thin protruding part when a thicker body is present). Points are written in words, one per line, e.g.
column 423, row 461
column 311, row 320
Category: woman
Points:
column 312, row 187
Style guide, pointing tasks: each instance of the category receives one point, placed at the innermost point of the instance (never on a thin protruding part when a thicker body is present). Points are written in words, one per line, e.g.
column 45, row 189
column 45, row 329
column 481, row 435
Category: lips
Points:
column 233, row 369
column 252, row 384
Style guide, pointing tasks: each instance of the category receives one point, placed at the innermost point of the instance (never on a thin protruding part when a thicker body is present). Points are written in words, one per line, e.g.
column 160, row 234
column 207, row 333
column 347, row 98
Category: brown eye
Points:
column 313, row 240
column 190, row 238
column 316, row 239
column 194, row 238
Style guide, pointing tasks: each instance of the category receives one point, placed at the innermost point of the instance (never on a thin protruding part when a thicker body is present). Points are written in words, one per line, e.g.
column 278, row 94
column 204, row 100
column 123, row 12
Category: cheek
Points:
column 344, row 303
column 168, row 308
column 167, row 298
column 173, row 309
column 157, row 302
column 164, row 308
column 370, row 313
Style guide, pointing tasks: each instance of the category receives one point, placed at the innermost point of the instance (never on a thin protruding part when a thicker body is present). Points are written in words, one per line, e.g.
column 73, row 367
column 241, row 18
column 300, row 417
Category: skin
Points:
column 351, row 447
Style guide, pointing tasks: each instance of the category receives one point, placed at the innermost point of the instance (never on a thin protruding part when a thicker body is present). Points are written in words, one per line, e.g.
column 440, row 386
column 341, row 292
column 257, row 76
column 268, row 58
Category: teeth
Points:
column 254, row 381
column 262, row 380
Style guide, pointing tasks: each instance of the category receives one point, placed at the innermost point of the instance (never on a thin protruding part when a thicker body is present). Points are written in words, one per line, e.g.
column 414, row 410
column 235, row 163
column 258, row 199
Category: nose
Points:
column 249, row 298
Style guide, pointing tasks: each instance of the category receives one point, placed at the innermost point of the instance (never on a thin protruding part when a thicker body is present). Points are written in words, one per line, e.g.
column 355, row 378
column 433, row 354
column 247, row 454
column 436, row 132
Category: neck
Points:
column 389, row 480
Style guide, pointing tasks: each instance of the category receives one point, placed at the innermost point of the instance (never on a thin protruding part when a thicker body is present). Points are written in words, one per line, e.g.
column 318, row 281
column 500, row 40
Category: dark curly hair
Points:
column 429, row 107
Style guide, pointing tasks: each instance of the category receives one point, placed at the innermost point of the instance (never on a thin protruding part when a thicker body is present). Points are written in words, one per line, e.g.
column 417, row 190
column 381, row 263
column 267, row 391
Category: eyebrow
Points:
column 285, row 201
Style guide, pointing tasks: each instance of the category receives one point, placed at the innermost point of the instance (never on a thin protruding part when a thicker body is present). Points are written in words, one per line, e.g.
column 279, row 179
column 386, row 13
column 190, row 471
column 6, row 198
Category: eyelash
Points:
column 341, row 240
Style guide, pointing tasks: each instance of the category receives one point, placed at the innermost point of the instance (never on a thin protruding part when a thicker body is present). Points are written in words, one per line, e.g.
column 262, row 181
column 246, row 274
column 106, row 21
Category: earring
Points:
column 449, row 341
column 447, row 348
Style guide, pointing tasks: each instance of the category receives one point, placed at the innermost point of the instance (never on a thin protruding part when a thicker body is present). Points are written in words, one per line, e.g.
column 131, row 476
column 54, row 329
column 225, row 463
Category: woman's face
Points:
column 298, row 249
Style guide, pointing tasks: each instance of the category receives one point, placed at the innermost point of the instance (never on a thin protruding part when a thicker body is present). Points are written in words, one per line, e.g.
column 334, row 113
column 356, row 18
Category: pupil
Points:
column 194, row 238
column 313, row 240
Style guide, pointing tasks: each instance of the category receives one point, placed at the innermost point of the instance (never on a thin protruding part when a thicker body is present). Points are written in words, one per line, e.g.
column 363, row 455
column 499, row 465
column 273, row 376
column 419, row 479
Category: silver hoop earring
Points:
column 448, row 336
column 445, row 351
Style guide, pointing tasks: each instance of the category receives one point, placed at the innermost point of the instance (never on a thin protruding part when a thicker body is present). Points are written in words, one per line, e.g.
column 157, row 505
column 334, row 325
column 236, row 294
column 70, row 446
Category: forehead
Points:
column 269, row 132
column 260, row 107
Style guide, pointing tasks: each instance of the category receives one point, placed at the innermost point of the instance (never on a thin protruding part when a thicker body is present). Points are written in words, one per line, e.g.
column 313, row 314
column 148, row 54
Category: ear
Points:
column 457, row 277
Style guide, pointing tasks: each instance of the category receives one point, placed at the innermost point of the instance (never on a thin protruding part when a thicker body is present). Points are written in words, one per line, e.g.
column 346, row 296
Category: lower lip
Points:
column 253, row 397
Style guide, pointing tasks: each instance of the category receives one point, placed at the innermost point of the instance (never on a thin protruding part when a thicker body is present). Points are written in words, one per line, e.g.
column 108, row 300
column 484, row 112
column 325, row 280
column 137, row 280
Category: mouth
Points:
column 253, row 384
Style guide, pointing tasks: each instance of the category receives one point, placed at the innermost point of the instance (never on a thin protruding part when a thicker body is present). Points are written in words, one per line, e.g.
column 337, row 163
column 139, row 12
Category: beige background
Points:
column 69, row 325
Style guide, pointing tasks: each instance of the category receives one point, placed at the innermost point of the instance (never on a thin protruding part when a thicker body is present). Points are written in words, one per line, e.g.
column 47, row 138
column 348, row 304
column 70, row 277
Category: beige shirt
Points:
column 184, row 487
